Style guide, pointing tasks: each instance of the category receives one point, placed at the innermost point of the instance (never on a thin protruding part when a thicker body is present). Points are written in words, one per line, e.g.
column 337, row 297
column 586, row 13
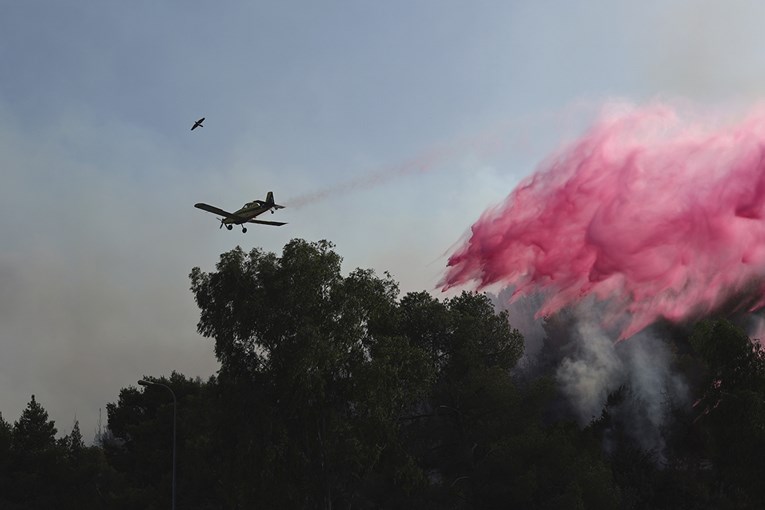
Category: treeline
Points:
column 336, row 392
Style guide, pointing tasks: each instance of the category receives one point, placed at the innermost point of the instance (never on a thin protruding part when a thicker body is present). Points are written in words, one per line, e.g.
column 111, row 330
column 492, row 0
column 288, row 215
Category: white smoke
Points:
column 642, row 365
column 589, row 365
column 593, row 370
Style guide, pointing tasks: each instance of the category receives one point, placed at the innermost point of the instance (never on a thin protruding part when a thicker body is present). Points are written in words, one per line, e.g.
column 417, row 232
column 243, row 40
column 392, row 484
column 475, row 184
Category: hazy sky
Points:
column 418, row 114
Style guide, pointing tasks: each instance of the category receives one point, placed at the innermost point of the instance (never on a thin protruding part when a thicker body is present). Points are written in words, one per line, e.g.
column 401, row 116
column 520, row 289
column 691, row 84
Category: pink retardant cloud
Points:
column 656, row 214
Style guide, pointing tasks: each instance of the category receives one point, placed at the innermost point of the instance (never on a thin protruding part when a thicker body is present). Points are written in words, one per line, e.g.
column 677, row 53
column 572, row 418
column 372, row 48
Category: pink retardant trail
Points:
column 660, row 216
column 483, row 143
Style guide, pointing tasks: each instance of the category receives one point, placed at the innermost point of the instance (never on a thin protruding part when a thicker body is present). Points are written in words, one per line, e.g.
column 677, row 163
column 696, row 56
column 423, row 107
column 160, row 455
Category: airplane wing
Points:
column 221, row 212
column 263, row 222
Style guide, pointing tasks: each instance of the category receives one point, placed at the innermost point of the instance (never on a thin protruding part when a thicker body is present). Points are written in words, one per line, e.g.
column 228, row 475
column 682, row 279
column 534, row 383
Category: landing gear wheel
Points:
column 244, row 230
column 229, row 227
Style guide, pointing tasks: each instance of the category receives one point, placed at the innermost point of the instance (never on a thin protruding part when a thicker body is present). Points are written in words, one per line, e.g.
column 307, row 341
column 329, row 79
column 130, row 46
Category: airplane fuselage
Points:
column 248, row 212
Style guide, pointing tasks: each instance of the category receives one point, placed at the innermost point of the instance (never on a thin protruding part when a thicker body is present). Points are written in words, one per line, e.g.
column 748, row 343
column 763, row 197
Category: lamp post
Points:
column 143, row 382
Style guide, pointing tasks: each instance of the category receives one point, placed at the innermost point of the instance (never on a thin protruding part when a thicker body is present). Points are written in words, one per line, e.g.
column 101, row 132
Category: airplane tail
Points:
column 270, row 201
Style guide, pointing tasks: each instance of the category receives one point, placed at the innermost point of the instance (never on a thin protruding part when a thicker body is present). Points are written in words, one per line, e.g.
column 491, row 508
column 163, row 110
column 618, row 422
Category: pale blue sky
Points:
column 100, row 171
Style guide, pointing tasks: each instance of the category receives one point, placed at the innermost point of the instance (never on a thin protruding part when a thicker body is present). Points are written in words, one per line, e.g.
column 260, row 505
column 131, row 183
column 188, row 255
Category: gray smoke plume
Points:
column 642, row 365
column 589, row 365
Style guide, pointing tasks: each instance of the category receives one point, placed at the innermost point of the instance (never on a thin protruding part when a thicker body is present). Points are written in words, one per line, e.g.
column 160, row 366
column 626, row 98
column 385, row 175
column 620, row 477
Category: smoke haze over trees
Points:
column 335, row 391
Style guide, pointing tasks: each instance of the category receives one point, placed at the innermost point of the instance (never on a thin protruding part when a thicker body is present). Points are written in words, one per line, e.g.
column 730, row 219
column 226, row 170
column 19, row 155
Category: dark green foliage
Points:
column 34, row 458
column 732, row 410
column 33, row 433
column 482, row 442
column 320, row 372
column 39, row 471
column 6, row 470
column 333, row 392
column 139, row 446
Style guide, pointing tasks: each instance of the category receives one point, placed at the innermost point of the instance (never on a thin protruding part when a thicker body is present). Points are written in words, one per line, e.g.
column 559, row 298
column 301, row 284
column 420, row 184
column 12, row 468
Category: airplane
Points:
column 198, row 124
column 246, row 214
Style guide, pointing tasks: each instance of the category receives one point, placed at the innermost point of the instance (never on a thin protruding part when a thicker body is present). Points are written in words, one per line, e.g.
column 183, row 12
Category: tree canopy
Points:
column 335, row 391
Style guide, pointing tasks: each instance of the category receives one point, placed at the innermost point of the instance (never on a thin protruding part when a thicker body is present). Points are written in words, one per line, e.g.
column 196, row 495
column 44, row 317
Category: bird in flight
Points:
column 198, row 124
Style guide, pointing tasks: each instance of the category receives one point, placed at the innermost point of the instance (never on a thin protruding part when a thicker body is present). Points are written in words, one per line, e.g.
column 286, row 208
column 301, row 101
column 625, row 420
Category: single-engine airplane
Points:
column 246, row 214
column 198, row 124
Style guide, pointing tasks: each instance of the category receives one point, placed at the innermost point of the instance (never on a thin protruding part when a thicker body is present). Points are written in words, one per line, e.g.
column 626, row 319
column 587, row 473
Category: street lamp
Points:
column 143, row 382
